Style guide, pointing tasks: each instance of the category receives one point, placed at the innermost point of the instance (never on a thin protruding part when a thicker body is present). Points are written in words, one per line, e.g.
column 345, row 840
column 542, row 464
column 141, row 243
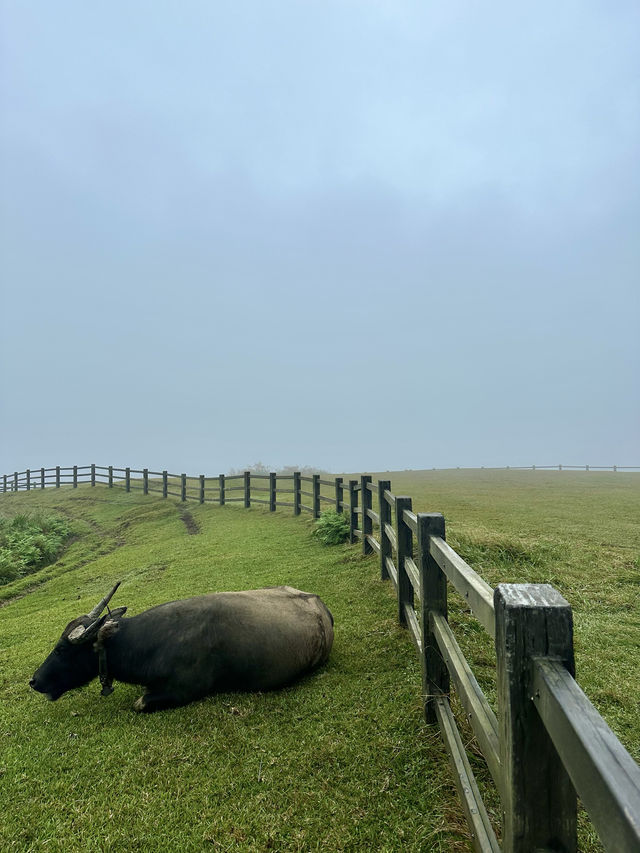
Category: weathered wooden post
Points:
column 165, row 483
column 145, row 481
column 110, row 476
column 42, row 478
column 405, row 549
column 4, row 482
column 353, row 510
column 57, row 476
column 201, row 488
column 538, row 799
column 28, row 480
column 15, row 481
column 615, row 468
column 93, row 474
column 339, row 494
column 183, row 487
column 247, row 489
column 127, row 479
column 297, row 497
column 221, row 487
column 75, row 476
column 316, row 495
column 433, row 600
column 273, row 480
column 366, row 504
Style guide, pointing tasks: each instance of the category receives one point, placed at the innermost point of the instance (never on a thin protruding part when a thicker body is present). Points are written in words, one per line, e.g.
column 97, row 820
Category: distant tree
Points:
column 306, row 470
column 261, row 468
column 256, row 468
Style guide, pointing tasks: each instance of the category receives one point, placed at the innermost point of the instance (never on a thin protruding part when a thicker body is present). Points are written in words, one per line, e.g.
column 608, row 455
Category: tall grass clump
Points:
column 332, row 528
column 29, row 542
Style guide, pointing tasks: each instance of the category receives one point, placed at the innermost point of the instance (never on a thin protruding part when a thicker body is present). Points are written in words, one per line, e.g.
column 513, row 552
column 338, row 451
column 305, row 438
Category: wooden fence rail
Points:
column 545, row 744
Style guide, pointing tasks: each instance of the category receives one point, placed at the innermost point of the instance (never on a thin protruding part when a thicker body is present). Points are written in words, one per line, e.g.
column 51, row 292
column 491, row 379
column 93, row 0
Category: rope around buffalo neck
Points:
column 105, row 680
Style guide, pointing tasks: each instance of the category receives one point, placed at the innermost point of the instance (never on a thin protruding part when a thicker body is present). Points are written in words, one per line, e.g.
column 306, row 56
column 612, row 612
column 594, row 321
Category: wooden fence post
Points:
column 42, row 478
column 183, row 487
column 15, row 481
column 316, row 495
column 165, row 483
column 433, row 599
column 339, row 494
column 93, row 474
column 353, row 507
column 247, row 489
column 145, row 481
column 127, row 479
column 405, row 549
column 28, row 480
column 538, row 799
column 75, row 476
column 296, row 493
column 273, row 479
column 57, row 476
column 366, row 504
column 201, row 488
column 221, row 485
column 110, row 476
column 4, row 482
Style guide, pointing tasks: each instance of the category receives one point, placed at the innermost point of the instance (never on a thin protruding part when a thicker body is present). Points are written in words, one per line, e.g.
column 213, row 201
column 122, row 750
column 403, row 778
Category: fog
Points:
column 351, row 235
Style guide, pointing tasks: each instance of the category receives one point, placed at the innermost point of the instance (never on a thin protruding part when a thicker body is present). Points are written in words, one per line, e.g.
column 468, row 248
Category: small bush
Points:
column 331, row 528
column 29, row 542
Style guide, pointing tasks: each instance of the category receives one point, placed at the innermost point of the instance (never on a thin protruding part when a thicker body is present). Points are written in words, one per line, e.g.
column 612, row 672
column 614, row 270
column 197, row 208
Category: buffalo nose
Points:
column 32, row 682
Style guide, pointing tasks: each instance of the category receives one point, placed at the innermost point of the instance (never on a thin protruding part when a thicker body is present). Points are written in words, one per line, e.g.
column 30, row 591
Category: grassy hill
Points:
column 342, row 761
column 579, row 532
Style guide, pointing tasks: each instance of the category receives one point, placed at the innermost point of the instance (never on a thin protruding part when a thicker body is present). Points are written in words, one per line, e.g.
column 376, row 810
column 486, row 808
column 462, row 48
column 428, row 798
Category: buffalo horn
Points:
column 97, row 610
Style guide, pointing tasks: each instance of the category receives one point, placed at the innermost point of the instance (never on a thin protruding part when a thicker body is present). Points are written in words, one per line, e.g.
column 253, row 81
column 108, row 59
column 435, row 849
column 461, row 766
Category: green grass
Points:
column 343, row 760
column 29, row 542
column 332, row 528
column 579, row 532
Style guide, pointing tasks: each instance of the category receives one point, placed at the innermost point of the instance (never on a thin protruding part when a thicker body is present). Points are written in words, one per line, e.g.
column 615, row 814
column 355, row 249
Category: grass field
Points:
column 579, row 532
column 342, row 761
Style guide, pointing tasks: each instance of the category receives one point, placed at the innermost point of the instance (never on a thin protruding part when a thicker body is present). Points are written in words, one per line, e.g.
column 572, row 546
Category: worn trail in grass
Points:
column 341, row 761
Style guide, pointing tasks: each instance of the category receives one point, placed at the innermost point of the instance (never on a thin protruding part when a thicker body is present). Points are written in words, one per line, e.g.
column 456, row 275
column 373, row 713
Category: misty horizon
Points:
column 361, row 236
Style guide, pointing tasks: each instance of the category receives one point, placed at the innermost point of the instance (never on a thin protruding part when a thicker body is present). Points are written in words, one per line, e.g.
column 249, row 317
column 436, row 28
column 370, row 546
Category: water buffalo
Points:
column 259, row 639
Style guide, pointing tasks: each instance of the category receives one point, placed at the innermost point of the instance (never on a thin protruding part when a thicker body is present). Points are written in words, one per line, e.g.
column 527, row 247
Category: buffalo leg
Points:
column 151, row 702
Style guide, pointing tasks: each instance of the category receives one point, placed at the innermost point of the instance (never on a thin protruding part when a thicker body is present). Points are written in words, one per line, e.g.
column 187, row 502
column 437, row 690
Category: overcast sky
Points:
column 353, row 234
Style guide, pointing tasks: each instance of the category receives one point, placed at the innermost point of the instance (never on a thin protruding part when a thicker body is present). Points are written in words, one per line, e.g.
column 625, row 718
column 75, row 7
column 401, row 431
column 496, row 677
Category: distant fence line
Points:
column 544, row 468
column 546, row 746
column 33, row 478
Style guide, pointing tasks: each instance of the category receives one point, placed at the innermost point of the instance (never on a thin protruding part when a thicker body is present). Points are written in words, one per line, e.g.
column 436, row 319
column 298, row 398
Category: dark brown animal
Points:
column 184, row 650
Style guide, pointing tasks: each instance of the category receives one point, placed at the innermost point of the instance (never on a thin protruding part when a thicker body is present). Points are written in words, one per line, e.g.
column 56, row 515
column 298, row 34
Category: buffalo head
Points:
column 73, row 661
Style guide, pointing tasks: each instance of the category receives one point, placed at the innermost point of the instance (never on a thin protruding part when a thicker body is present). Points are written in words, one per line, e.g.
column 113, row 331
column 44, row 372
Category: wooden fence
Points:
column 545, row 746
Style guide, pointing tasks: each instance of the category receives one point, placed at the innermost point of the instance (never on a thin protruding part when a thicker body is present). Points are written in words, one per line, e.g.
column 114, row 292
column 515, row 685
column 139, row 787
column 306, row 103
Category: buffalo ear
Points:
column 118, row 612
column 84, row 633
